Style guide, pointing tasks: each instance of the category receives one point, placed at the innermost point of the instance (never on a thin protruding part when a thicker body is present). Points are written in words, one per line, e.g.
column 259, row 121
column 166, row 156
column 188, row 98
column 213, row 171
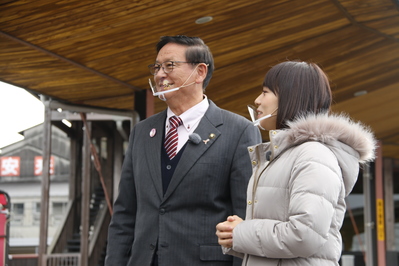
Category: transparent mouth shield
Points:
column 253, row 113
column 160, row 91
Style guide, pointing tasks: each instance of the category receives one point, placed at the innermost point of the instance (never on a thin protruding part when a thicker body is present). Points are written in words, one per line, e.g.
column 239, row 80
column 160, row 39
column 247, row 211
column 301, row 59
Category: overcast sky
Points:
column 19, row 110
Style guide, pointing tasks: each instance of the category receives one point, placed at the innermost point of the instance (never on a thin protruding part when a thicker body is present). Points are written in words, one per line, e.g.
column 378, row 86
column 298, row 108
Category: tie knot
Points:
column 175, row 121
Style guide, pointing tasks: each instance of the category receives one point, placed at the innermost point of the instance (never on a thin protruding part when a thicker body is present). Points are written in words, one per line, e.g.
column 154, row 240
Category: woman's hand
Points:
column 224, row 231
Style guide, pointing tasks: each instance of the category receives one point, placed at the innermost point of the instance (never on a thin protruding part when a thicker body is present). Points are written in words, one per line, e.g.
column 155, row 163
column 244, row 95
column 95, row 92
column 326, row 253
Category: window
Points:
column 58, row 212
column 17, row 213
column 36, row 213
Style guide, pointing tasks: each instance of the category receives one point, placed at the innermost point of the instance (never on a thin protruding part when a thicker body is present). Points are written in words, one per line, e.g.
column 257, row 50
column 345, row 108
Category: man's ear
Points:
column 202, row 70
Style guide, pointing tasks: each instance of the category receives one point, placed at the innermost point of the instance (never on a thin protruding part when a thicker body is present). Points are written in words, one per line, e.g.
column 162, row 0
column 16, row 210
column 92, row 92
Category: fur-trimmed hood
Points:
column 352, row 142
column 330, row 129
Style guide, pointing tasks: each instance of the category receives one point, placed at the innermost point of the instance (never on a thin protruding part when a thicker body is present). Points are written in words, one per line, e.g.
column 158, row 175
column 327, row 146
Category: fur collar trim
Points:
column 328, row 128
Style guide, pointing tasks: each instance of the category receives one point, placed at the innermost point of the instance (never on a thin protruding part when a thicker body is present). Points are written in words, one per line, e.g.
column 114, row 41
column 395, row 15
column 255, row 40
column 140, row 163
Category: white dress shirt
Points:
column 190, row 118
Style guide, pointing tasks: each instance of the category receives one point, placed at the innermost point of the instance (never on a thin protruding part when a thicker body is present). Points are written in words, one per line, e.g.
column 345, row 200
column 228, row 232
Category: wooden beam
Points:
column 13, row 38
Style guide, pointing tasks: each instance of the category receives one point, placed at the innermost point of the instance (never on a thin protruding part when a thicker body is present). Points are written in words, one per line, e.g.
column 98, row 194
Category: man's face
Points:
column 181, row 71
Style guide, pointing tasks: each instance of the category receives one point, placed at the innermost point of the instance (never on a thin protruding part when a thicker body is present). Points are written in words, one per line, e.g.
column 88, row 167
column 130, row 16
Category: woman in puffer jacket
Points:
column 296, row 195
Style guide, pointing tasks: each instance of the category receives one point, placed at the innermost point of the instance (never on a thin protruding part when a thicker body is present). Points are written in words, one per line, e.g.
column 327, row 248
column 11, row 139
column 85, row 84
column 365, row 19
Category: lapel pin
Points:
column 211, row 136
column 153, row 132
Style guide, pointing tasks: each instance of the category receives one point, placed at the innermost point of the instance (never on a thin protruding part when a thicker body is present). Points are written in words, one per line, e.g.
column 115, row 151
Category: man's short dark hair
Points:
column 197, row 52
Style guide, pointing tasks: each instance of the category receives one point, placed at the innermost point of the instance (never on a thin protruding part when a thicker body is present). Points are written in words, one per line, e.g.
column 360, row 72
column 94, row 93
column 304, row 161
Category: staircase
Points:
column 97, row 201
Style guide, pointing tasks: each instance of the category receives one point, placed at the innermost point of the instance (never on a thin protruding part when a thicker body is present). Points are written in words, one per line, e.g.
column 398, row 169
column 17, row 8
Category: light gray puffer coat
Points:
column 296, row 207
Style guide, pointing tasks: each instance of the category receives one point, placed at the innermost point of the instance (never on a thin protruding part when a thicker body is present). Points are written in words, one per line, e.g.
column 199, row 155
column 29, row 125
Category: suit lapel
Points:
column 153, row 154
column 207, row 126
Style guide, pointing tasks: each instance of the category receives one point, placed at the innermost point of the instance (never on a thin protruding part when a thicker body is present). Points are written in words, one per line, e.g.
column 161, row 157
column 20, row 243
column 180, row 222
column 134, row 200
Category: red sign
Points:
column 4, row 205
column 39, row 165
column 10, row 166
column 3, row 239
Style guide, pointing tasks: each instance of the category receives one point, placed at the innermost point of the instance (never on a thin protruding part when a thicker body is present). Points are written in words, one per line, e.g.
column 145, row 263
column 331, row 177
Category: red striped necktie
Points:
column 172, row 138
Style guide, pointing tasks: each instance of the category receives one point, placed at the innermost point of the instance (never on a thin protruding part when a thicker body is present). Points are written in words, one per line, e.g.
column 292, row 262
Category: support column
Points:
column 44, row 204
column 117, row 163
column 380, row 212
column 144, row 103
column 85, row 217
column 389, row 212
column 369, row 225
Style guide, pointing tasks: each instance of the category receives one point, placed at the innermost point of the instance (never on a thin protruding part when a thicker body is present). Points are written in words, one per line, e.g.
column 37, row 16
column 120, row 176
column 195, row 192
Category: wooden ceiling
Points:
column 96, row 52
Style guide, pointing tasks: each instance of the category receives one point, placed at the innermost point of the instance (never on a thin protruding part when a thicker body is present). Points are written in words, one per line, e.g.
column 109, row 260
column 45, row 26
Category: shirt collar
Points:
column 192, row 116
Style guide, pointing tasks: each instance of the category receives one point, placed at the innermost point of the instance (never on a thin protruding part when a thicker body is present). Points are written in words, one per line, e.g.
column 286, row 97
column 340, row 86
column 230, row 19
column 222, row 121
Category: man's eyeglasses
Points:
column 167, row 66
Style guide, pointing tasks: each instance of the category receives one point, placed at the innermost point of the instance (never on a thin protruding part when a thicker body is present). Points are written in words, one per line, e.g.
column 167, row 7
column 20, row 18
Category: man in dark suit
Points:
column 171, row 197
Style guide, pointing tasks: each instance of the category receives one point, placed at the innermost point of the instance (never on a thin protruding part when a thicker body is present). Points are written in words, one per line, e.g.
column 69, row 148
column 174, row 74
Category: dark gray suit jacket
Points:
column 209, row 184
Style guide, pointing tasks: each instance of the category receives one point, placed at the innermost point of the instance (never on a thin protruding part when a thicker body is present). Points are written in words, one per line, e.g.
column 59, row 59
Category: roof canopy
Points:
column 96, row 52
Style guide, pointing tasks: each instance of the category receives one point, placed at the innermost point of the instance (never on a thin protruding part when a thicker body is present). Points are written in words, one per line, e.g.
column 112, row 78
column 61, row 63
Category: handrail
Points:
column 97, row 229
column 98, row 238
column 62, row 227
column 97, row 163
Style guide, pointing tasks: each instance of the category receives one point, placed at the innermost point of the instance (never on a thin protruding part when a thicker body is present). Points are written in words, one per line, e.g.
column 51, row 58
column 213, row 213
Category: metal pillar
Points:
column 368, row 219
column 85, row 211
column 380, row 214
column 391, row 256
column 44, row 205
column 144, row 103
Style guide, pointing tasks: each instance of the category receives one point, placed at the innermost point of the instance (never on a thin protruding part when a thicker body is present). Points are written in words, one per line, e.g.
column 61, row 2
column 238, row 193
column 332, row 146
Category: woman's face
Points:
column 267, row 103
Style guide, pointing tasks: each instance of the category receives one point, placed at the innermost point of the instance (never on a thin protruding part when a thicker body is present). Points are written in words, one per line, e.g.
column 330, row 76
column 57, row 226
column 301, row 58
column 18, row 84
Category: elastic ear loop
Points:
column 161, row 93
column 252, row 113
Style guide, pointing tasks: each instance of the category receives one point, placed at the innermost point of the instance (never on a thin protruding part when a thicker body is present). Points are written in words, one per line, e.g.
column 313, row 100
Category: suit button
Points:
column 249, row 202
column 152, row 247
column 253, row 162
column 168, row 167
column 250, row 149
column 162, row 211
